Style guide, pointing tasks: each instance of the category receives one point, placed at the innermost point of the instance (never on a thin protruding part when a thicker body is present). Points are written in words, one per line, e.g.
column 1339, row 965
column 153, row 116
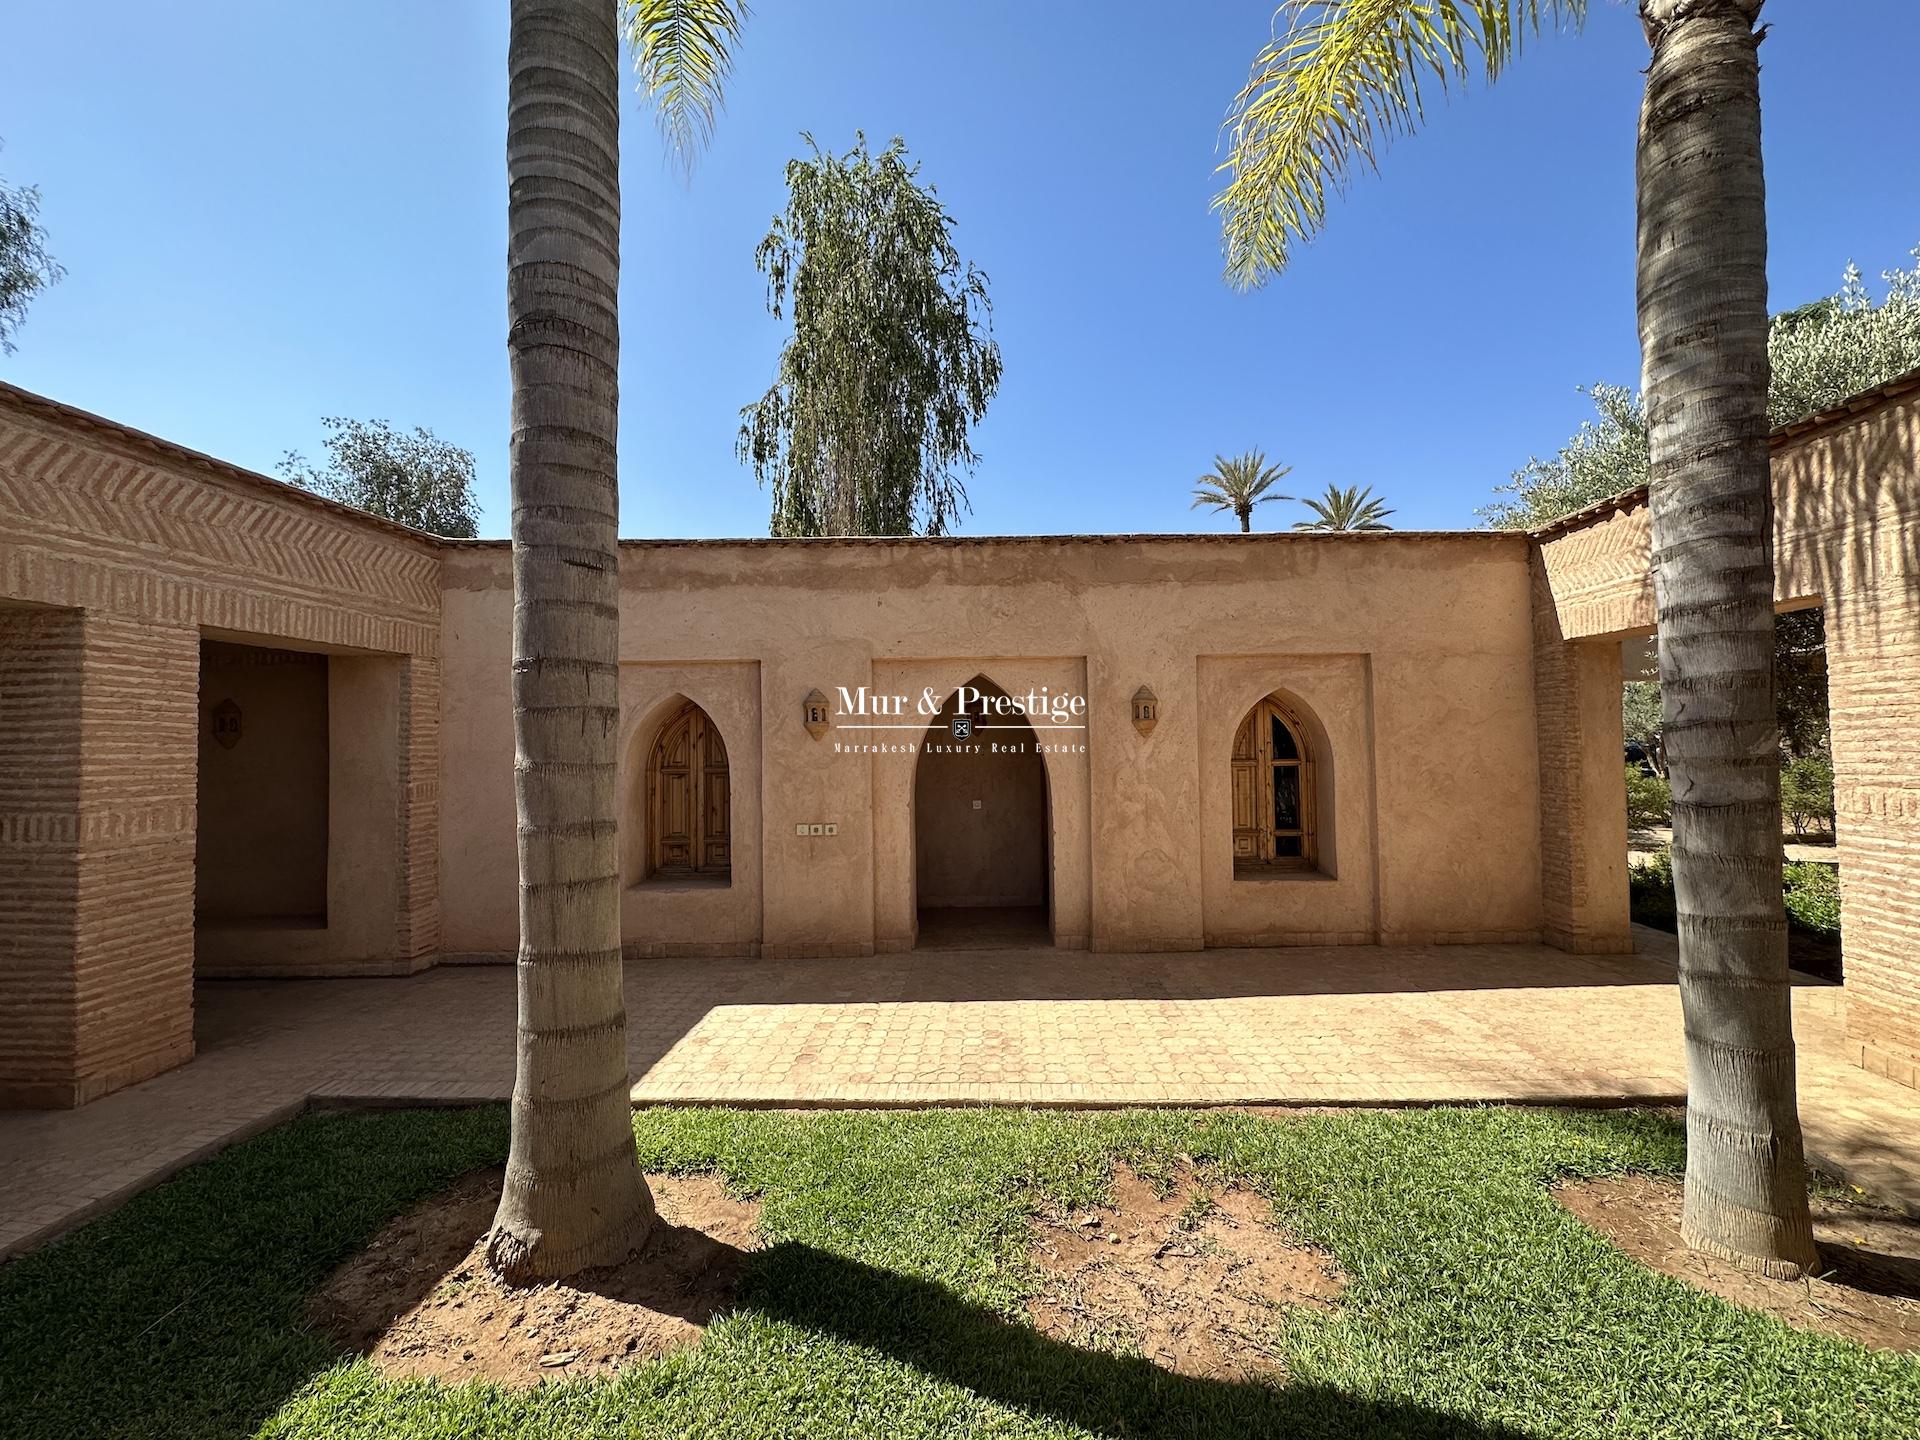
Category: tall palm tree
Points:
column 1348, row 509
column 1345, row 77
column 574, row 1197
column 1238, row 485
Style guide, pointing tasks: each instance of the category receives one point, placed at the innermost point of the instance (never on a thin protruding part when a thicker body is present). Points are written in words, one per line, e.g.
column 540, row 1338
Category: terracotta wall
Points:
column 40, row 653
column 145, row 549
column 1462, row 691
column 1846, row 537
column 1412, row 652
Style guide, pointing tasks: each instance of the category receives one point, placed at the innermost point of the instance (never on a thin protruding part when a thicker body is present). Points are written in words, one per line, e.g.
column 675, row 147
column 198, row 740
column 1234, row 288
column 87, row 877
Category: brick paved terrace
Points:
column 1346, row 1025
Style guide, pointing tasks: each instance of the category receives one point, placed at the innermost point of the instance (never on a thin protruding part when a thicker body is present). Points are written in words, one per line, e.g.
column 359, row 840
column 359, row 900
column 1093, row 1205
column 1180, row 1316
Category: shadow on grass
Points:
column 923, row 1324
column 186, row 1312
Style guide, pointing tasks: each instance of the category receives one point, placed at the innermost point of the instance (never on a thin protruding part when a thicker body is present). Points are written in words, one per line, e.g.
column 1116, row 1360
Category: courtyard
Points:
column 1312, row 1026
column 1110, row 783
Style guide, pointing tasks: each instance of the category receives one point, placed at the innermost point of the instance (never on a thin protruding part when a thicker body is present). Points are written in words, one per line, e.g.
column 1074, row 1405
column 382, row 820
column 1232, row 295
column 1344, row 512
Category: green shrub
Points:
column 1649, row 800
column 1650, row 891
column 1806, row 792
column 1813, row 896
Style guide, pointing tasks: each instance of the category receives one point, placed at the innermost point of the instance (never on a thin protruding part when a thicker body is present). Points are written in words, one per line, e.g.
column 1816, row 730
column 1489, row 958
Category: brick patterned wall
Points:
column 1596, row 577
column 39, row 850
column 96, row 517
column 140, row 688
column 1873, row 681
column 147, row 548
column 1576, row 689
column 1849, row 533
column 1846, row 534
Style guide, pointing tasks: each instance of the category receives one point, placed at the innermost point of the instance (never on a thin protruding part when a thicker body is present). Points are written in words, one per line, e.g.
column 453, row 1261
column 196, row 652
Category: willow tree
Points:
column 574, row 1197
column 867, row 425
column 25, row 266
column 1344, row 78
column 1238, row 483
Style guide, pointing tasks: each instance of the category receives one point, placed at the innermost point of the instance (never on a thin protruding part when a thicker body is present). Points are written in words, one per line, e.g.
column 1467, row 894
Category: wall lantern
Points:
column 226, row 724
column 1146, row 710
column 814, row 713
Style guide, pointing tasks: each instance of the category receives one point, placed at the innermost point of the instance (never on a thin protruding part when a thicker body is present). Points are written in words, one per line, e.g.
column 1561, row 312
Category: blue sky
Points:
column 273, row 212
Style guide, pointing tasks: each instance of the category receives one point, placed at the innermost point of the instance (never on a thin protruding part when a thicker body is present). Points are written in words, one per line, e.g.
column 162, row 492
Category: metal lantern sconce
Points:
column 1146, row 710
column 814, row 714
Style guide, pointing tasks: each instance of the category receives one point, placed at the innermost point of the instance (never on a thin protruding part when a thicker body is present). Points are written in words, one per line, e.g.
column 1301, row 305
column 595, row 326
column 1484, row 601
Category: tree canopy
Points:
column 25, row 266
column 1821, row 354
column 1353, row 508
column 417, row 479
column 1238, row 483
column 1339, row 80
column 866, row 427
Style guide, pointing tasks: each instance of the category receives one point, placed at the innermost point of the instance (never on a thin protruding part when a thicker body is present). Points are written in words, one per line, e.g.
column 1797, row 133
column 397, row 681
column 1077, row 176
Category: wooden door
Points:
column 688, row 799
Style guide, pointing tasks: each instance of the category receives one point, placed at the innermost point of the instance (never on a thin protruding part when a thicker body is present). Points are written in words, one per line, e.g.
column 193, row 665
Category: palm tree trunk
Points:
column 1246, row 520
column 1703, row 337
column 574, row 1197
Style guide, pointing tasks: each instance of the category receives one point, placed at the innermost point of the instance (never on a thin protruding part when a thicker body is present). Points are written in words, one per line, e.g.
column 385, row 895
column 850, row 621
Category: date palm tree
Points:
column 574, row 1197
column 1350, row 509
column 1239, row 484
column 1344, row 77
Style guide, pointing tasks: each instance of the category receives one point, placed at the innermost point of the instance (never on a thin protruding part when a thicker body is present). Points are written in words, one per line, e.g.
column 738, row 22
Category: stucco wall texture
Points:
column 1431, row 769
column 1461, row 691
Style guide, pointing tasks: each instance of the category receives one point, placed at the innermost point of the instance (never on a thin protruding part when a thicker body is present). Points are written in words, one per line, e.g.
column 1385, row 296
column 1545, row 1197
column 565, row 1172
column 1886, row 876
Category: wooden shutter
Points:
column 1270, row 759
column 716, row 852
column 1246, row 794
column 673, row 801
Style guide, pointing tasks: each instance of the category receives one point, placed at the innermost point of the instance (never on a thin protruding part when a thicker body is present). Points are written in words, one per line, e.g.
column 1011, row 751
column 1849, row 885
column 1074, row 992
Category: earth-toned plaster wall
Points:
column 1412, row 653
column 1846, row 537
column 261, row 839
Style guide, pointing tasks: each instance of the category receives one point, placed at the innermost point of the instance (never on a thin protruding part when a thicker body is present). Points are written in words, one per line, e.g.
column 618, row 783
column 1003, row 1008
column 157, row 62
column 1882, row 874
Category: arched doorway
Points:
column 689, row 808
column 981, row 827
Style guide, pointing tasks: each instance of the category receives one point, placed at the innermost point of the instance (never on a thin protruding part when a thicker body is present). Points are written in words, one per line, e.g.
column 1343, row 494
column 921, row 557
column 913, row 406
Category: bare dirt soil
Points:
column 1196, row 1279
column 420, row 1301
column 1870, row 1291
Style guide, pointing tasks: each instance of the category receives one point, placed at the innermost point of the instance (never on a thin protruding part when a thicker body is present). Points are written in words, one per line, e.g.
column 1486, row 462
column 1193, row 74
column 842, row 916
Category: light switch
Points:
column 801, row 828
column 976, row 804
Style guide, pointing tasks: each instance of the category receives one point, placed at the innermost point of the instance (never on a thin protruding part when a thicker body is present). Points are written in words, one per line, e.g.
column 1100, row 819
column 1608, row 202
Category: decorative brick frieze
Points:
column 144, row 548
column 1846, row 535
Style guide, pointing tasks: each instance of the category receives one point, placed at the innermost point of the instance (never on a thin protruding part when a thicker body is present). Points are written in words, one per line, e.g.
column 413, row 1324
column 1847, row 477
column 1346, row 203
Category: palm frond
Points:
column 1240, row 481
column 1344, row 78
column 683, row 50
column 1350, row 509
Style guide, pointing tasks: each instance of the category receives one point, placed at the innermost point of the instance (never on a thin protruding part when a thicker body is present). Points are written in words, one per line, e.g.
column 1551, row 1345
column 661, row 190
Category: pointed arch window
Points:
column 689, row 802
column 1273, row 791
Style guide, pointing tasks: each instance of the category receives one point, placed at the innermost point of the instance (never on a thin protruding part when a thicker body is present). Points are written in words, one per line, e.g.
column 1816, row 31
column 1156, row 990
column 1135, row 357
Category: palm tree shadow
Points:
column 924, row 1324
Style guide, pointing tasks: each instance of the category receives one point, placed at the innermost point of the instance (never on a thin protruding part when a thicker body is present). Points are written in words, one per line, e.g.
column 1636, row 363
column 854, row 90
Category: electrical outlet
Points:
column 816, row 829
column 833, row 829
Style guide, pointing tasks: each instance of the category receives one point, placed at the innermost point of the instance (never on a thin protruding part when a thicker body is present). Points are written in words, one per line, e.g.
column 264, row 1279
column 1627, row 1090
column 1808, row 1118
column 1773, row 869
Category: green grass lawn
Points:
column 888, row 1301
